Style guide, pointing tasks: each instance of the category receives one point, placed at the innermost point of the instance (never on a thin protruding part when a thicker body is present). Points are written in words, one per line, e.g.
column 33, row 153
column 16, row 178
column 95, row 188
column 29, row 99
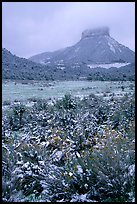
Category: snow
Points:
column 30, row 104
column 77, row 49
column 29, row 173
column 70, row 174
column 26, row 165
column 86, row 114
column 81, row 198
column 86, row 185
column 131, row 170
column 19, row 163
column 45, row 62
column 44, row 143
column 59, row 67
column 57, row 155
column 112, row 41
column 60, row 64
column 80, row 170
column 109, row 65
column 111, row 47
column 41, row 62
column 113, row 44
column 78, row 155
column 119, row 50
column 42, row 163
column 75, row 66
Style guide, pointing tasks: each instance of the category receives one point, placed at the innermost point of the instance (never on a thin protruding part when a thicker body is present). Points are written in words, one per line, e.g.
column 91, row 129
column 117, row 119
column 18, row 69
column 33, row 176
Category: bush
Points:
column 16, row 119
column 67, row 102
column 6, row 103
column 69, row 151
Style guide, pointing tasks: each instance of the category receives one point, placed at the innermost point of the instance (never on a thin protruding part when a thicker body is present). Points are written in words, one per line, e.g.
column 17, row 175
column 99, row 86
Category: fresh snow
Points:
column 59, row 67
column 111, row 47
column 77, row 49
column 131, row 170
column 112, row 41
column 107, row 66
column 80, row 170
column 81, row 198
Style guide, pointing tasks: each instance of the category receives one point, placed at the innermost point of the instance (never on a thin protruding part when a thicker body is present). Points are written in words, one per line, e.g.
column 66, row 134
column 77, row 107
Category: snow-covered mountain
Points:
column 96, row 46
column 14, row 67
column 97, row 56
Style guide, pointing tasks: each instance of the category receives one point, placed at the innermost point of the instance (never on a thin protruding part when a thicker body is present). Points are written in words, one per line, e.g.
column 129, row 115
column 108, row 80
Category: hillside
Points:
column 14, row 67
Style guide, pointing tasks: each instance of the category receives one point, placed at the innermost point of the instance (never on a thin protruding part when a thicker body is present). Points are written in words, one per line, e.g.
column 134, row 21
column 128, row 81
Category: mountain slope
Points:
column 95, row 46
column 14, row 67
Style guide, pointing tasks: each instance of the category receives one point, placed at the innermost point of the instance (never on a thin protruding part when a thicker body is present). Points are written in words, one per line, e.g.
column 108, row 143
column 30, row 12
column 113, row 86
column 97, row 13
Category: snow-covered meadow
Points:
column 22, row 91
column 77, row 146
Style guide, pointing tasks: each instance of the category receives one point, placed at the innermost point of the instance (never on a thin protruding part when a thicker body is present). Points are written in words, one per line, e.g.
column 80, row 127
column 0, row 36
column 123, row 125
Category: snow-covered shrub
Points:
column 9, row 158
column 101, row 173
column 112, row 166
column 67, row 102
column 69, row 150
column 41, row 104
column 15, row 116
column 6, row 103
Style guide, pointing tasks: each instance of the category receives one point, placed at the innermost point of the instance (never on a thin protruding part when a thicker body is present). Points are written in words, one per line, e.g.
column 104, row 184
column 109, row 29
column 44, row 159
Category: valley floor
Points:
column 29, row 90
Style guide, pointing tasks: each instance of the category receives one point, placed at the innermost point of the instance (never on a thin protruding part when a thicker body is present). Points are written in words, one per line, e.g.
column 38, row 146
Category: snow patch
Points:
column 131, row 169
column 81, row 198
column 44, row 62
column 70, row 174
column 112, row 47
column 75, row 66
column 62, row 68
column 107, row 66
column 77, row 49
column 80, row 170
column 57, row 155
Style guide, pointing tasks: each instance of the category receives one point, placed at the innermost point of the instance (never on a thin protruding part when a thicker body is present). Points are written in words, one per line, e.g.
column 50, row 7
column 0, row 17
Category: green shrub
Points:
column 67, row 102
column 16, row 119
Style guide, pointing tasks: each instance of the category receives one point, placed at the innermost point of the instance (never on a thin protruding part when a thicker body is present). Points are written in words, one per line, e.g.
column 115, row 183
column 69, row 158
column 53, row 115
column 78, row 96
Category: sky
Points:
column 30, row 28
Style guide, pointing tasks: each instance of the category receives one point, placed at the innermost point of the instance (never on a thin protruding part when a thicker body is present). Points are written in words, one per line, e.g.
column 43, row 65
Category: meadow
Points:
column 24, row 90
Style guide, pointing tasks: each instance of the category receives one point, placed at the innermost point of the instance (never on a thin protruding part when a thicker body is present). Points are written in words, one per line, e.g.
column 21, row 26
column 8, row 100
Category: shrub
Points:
column 102, row 173
column 6, row 103
column 69, row 151
column 67, row 102
column 17, row 118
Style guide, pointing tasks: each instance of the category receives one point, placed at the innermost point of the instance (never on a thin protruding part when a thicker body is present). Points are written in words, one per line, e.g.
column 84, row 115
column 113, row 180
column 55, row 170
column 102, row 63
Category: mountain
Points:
column 97, row 56
column 14, row 67
column 96, row 46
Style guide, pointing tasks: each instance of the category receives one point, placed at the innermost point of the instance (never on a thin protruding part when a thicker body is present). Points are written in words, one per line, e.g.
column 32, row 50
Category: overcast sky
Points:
column 30, row 28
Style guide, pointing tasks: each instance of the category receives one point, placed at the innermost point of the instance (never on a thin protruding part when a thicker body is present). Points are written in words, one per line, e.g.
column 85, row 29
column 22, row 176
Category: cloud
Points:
column 30, row 28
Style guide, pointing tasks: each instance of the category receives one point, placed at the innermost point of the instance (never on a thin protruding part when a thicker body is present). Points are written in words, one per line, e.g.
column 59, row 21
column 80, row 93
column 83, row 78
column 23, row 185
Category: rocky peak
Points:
column 95, row 32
